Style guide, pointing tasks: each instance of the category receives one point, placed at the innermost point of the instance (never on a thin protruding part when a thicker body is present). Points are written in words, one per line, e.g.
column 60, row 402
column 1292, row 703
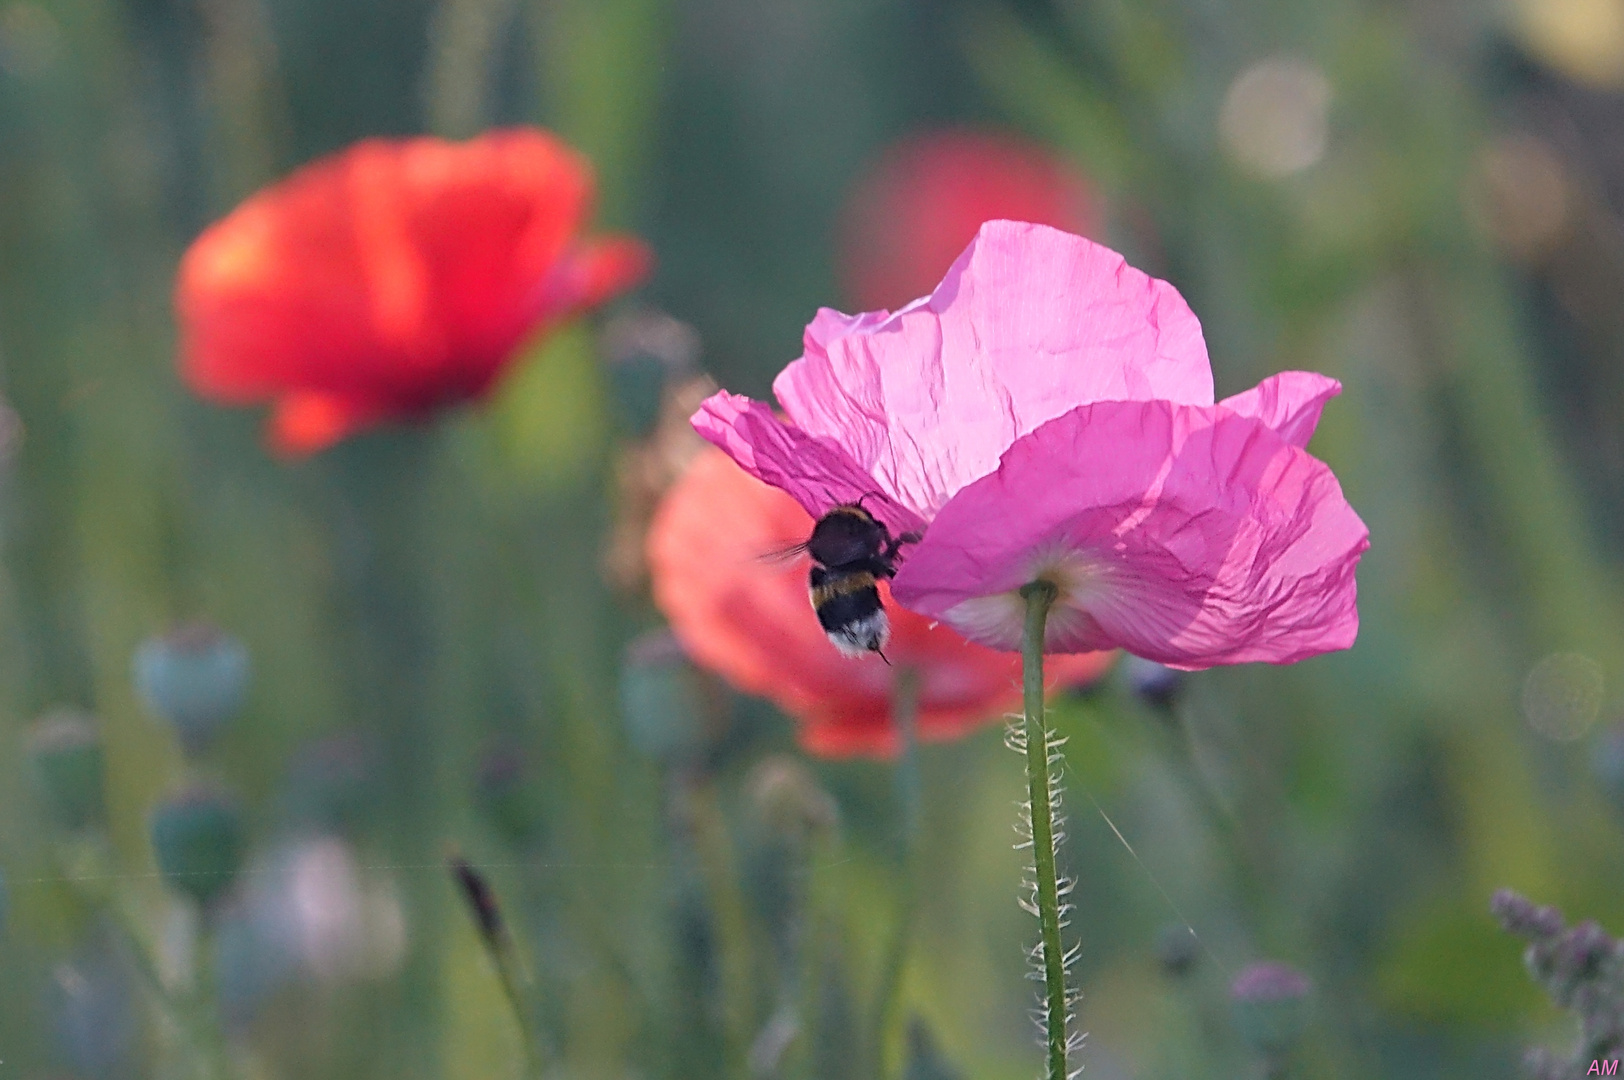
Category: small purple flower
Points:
column 1270, row 1005
column 1521, row 916
column 1270, row 981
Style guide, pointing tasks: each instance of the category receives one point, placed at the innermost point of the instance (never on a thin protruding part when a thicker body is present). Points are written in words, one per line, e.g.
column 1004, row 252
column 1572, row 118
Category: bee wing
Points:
column 783, row 555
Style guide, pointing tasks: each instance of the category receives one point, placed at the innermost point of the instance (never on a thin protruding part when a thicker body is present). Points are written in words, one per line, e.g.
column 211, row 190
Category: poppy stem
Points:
column 1042, row 755
column 181, row 1011
column 1245, row 861
column 732, row 920
column 214, row 1046
column 904, row 718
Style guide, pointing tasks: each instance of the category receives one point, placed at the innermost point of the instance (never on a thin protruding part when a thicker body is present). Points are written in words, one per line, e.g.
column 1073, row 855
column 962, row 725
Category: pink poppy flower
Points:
column 1048, row 413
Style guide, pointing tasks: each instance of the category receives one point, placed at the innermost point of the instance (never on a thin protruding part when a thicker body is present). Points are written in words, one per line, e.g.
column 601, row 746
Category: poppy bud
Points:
column 194, row 677
column 1270, row 1006
column 1177, row 949
column 70, row 768
column 199, row 837
column 925, row 1060
column 1157, row 685
column 659, row 697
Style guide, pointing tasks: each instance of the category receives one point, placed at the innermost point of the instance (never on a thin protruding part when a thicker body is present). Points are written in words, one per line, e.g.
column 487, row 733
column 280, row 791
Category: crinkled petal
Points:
column 815, row 471
column 1192, row 536
column 1289, row 403
column 1029, row 323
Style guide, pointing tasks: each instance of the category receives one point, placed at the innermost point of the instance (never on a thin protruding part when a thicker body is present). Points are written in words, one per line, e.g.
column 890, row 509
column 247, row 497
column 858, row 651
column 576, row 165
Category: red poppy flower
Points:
column 749, row 620
column 392, row 279
column 922, row 203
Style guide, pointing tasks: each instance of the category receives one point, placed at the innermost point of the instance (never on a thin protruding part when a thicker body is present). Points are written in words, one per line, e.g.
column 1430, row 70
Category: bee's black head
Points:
column 846, row 535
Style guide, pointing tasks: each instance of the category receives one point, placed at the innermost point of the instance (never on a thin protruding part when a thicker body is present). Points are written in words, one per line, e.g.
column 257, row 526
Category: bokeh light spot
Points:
column 1583, row 39
column 1519, row 195
column 1275, row 119
column 1562, row 696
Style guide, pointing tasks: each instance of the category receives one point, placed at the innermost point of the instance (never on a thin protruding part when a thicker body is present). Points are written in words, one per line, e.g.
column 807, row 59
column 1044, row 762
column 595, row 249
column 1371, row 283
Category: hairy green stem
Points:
column 904, row 717
column 1039, row 595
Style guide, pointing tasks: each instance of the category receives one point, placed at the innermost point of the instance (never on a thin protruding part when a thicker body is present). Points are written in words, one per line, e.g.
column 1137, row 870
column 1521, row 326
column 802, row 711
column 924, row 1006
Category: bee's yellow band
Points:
column 841, row 585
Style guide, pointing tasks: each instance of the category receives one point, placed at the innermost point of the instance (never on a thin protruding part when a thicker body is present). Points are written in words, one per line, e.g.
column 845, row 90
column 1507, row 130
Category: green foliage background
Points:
column 435, row 589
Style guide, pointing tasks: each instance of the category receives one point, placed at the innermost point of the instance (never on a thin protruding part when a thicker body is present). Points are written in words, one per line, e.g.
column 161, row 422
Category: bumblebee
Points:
column 851, row 551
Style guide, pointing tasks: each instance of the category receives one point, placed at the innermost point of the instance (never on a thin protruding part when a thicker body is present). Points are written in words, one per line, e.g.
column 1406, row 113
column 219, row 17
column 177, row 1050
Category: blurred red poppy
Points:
column 750, row 621
column 392, row 279
column 910, row 216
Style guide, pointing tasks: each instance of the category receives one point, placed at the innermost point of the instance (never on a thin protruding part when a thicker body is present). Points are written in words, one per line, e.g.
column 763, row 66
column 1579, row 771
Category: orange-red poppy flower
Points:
column 921, row 204
column 749, row 620
column 392, row 279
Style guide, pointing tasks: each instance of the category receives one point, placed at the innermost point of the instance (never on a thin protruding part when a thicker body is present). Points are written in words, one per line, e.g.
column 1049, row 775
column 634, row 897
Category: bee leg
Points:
column 895, row 545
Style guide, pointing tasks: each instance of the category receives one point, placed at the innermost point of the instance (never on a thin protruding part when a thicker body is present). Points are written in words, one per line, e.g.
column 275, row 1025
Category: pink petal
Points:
column 1029, row 323
column 1289, row 403
column 1192, row 536
column 816, row 472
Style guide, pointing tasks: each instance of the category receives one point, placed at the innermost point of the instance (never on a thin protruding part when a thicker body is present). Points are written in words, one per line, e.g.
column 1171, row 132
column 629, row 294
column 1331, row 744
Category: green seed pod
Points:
column 70, row 768
column 660, row 698
column 198, row 837
column 646, row 351
column 195, row 677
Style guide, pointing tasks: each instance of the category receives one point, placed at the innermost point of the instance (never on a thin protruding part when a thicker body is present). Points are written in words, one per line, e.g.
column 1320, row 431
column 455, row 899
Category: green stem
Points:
column 89, row 872
column 214, row 1050
column 715, row 850
column 385, row 489
column 1225, row 823
column 1039, row 595
column 508, row 973
column 904, row 717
